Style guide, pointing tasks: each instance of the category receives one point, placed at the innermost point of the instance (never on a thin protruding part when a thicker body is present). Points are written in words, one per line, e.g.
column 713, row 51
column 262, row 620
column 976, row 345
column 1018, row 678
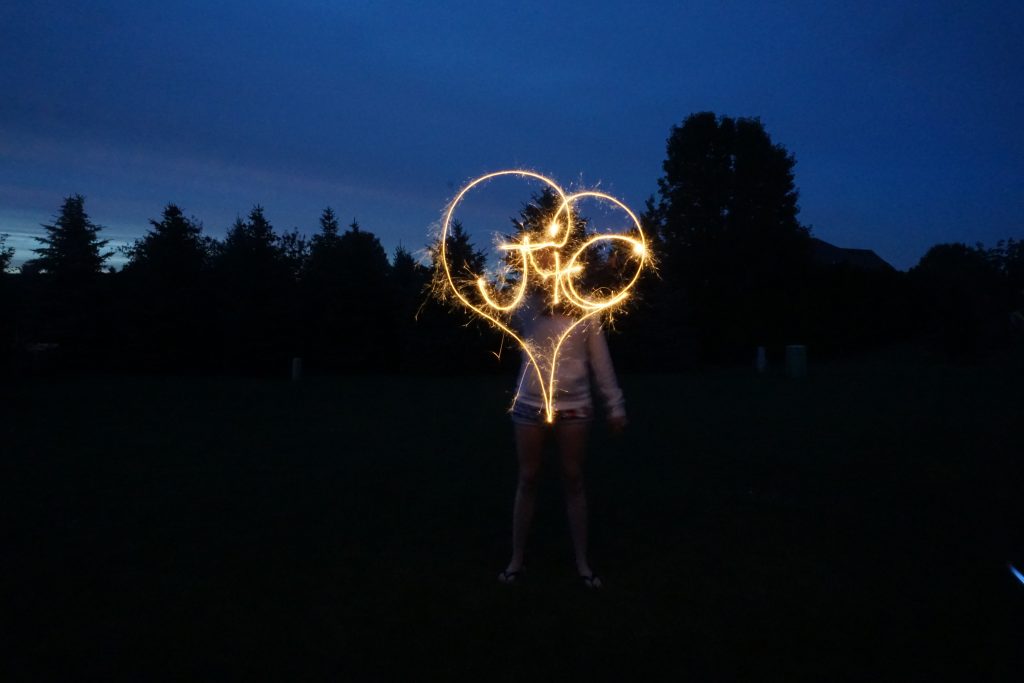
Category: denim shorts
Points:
column 523, row 414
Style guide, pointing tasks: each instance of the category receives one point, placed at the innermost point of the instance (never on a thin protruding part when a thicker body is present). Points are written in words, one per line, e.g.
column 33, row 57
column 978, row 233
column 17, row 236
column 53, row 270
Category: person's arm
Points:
column 604, row 375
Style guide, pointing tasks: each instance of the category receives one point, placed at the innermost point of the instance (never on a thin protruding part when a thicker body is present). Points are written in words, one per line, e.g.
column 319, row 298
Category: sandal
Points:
column 510, row 578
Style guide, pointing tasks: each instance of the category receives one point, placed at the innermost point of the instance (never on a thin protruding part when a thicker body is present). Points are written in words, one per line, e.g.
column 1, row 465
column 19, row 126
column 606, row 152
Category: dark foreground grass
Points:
column 855, row 525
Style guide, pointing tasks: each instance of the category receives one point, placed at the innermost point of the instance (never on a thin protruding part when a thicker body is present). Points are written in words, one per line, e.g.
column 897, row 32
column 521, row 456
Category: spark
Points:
column 558, row 272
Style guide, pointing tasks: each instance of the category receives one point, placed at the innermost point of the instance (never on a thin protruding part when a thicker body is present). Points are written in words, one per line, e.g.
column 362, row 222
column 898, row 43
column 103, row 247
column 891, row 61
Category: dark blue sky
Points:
column 905, row 118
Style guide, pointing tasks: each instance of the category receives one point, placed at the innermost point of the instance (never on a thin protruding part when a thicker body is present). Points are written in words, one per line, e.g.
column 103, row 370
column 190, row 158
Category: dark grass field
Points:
column 854, row 525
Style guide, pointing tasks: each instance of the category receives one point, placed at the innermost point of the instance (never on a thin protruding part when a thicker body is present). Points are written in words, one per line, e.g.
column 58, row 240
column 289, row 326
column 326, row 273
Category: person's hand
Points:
column 617, row 425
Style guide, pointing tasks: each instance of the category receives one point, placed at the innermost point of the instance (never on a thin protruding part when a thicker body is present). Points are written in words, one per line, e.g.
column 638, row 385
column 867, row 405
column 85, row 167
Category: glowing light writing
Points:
column 541, row 254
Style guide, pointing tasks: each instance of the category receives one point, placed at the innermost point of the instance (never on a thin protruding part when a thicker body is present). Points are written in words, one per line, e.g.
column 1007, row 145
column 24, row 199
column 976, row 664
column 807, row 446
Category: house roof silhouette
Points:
column 831, row 255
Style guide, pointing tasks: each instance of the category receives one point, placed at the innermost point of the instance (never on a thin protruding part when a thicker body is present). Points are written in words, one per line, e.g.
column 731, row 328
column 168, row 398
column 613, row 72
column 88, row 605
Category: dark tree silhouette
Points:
column 453, row 338
column 960, row 297
column 409, row 284
column 258, row 323
column 732, row 247
column 465, row 261
column 174, row 250
column 166, row 288
column 252, row 244
column 295, row 250
column 726, row 182
column 365, row 300
column 6, row 254
column 364, row 261
column 72, row 250
column 323, row 246
column 324, row 312
column 8, row 313
column 406, row 273
column 348, row 300
column 1008, row 259
column 1008, row 255
column 70, row 293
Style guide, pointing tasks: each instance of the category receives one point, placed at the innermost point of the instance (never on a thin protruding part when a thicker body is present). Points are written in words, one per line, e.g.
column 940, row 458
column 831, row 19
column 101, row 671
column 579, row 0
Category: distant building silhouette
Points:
column 830, row 255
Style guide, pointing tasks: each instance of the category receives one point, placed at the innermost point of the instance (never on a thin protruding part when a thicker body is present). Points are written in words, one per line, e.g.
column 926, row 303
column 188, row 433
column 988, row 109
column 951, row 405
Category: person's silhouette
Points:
column 582, row 354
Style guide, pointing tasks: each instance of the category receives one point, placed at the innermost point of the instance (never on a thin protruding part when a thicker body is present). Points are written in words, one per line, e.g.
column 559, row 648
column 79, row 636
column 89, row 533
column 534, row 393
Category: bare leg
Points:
column 529, row 448
column 572, row 446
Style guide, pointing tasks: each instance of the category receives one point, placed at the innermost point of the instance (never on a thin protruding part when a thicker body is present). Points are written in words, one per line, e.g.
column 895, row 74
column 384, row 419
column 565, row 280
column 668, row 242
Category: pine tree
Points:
column 365, row 298
column 408, row 275
column 167, row 311
column 363, row 261
column 6, row 254
column 8, row 311
column 454, row 339
column 256, row 289
column 328, row 234
column 72, row 250
column 465, row 262
column 174, row 250
column 73, row 304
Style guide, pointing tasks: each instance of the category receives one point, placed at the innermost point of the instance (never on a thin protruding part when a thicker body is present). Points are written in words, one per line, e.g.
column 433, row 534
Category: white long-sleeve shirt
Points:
column 584, row 351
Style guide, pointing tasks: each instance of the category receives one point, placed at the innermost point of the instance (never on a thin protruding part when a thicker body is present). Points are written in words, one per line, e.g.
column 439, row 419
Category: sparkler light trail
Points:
column 551, row 255
column 1013, row 570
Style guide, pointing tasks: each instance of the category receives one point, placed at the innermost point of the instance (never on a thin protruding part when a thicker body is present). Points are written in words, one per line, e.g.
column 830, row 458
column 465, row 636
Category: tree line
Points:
column 736, row 270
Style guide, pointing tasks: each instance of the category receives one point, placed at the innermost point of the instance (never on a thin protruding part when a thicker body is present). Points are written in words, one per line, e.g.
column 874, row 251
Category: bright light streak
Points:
column 557, row 271
column 1013, row 570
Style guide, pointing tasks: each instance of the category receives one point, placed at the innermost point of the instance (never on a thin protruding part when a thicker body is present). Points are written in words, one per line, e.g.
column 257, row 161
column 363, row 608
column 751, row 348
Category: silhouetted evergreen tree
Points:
column 365, row 256
column 409, row 283
column 295, row 250
column 465, row 261
column 6, row 254
column 173, row 251
column 168, row 311
column 348, row 300
column 733, row 252
column 406, row 273
column 72, row 251
column 323, row 247
column 328, row 230
column 8, row 311
column 258, row 325
column 70, row 294
column 455, row 340
column 324, row 303
column 366, row 301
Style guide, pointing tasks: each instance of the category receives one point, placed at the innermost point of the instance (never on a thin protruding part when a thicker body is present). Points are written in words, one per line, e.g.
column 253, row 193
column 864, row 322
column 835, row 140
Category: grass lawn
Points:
column 854, row 525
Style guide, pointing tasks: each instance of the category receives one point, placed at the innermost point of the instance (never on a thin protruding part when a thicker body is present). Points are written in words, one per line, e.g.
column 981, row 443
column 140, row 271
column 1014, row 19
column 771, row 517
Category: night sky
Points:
column 905, row 118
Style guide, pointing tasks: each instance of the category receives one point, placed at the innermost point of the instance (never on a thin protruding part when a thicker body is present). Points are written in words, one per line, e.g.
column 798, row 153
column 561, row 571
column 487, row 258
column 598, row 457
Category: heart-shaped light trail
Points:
column 559, row 275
